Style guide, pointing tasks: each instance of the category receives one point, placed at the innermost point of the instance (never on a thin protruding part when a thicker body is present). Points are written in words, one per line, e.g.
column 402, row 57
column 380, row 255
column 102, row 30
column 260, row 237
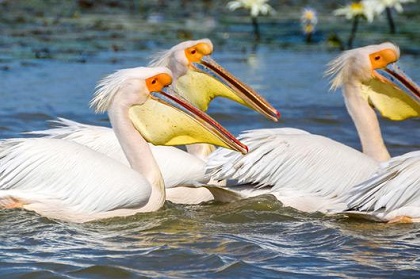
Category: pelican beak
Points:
column 206, row 80
column 180, row 123
column 393, row 93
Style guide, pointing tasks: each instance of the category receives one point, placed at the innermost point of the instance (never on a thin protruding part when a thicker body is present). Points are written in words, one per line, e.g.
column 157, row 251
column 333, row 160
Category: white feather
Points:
column 392, row 191
column 48, row 169
column 295, row 163
column 103, row 140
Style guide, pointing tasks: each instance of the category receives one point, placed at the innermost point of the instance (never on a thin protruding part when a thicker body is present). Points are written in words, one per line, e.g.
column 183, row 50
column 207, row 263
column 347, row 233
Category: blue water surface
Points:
column 254, row 238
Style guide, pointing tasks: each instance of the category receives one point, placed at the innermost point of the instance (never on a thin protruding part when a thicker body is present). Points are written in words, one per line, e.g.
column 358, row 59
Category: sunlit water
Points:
column 256, row 238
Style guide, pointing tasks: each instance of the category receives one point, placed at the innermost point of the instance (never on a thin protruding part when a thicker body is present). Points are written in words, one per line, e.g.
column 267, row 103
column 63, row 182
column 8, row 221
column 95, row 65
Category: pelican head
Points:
column 199, row 79
column 161, row 118
column 142, row 80
column 383, row 84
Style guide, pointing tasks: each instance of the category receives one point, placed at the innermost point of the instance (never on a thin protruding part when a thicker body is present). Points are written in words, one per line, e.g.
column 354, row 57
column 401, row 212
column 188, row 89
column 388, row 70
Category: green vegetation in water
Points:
column 70, row 29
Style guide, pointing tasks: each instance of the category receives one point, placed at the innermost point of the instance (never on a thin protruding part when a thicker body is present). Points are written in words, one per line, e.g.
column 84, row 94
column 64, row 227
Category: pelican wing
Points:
column 393, row 190
column 293, row 159
column 103, row 140
column 99, row 138
column 34, row 171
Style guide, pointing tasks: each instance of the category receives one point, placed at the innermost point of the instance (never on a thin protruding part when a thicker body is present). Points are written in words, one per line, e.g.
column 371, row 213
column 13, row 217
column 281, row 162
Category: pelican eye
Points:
column 154, row 81
column 377, row 57
column 194, row 53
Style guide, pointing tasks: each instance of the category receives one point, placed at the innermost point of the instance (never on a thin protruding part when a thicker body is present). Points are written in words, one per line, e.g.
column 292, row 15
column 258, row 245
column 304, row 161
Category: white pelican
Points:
column 68, row 181
column 308, row 171
column 197, row 78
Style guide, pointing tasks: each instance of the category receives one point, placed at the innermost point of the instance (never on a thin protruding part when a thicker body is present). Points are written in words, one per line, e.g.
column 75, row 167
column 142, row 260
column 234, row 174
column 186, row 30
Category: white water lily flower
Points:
column 380, row 5
column 356, row 9
column 308, row 20
column 256, row 7
column 370, row 10
column 309, row 16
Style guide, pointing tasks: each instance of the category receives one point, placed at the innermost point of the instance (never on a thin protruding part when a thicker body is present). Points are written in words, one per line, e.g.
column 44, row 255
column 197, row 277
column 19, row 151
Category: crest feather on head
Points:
column 163, row 58
column 109, row 86
column 354, row 64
